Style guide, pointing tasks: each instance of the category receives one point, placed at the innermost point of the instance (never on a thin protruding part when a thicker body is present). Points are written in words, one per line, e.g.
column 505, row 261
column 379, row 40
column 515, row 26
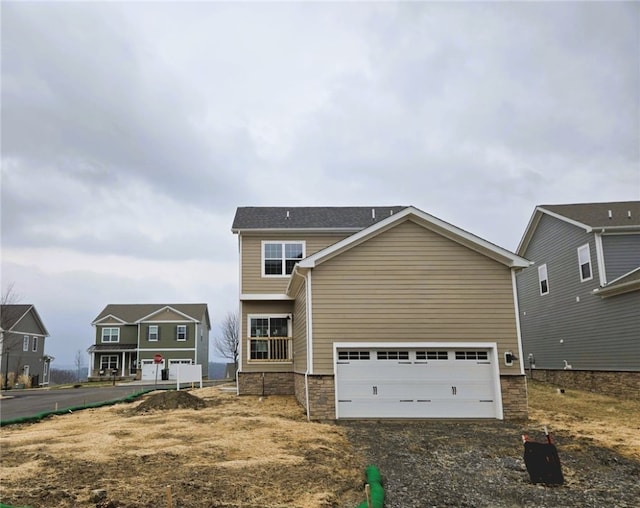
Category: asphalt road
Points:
column 20, row 403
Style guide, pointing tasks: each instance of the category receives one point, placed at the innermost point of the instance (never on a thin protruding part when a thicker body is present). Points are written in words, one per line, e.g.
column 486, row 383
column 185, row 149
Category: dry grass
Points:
column 610, row 422
column 239, row 451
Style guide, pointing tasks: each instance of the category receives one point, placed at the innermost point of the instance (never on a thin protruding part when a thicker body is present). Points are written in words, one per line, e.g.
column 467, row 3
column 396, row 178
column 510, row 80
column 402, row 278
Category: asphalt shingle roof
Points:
column 11, row 314
column 597, row 214
column 309, row 217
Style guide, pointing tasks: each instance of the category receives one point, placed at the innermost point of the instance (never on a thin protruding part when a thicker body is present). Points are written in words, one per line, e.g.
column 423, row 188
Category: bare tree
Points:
column 9, row 345
column 79, row 362
column 228, row 344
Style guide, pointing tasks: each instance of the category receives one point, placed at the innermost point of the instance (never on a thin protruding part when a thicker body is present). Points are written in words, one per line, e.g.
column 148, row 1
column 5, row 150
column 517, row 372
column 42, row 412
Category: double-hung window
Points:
column 181, row 332
column 108, row 362
column 35, row 344
column 153, row 333
column 25, row 343
column 111, row 335
column 279, row 258
column 269, row 338
column 584, row 261
column 543, row 279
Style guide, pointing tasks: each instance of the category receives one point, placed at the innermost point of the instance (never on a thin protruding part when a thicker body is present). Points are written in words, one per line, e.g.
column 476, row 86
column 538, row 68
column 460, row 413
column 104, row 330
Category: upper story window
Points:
column 111, row 335
column 35, row 344
column 153, row 334
column 25, row 343
column 181, row 332
column 584, row 260
column 543, row 279
column 279, row 258
column 269, row 326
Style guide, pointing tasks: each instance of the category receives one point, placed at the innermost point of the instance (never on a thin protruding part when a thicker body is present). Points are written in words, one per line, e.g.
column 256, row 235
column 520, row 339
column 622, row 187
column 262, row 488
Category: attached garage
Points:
column 417, row 380
column 151, row 371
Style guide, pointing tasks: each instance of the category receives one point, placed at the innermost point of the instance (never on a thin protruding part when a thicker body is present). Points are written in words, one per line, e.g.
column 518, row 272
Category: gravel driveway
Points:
column 480, row 464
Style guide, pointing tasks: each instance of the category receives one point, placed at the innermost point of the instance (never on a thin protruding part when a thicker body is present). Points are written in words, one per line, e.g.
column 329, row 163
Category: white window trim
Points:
column 580, row 263
column 34, row 347
column 109, row 356
column 283, row 259
column 545, row 278
column 178, row 327
column 25, row 343
column 110, row 341
column 157, row 333
column 268, row 316
column 250, row 337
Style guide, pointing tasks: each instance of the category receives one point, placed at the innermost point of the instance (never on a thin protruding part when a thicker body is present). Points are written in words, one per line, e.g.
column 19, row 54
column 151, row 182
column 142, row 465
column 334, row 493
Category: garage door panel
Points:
column 449, row 387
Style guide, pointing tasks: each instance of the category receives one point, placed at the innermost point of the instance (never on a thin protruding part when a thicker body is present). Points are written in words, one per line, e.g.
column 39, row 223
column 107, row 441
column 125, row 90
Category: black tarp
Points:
column 543, row 463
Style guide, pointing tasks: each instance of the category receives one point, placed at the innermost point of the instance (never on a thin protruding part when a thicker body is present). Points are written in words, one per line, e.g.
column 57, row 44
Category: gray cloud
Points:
column 131, row 131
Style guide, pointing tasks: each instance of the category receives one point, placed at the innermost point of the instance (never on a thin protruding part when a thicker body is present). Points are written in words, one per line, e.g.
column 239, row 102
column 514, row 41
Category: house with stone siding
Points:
column 377, row 312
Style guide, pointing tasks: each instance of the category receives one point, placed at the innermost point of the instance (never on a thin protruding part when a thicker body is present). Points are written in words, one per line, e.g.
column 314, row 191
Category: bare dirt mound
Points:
column 171, row 399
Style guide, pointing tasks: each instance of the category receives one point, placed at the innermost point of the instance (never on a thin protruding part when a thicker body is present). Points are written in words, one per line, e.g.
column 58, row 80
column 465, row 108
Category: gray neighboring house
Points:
column 22, row 336
column 128, row 336
column 580, row 301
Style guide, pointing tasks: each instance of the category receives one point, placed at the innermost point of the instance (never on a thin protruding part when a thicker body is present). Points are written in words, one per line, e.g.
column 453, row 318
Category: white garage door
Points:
column 173, row 367
column 421, row 382
column 149, row 370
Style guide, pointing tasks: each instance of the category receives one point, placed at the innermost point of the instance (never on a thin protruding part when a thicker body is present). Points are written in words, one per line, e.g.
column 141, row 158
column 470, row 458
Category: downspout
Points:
column 600, row 258
column 309, row 345
column 240, row 336
column 517, row 311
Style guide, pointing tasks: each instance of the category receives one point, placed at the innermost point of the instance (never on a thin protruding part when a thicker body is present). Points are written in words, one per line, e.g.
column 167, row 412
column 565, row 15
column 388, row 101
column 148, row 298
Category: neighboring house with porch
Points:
column 383, row 312
column 580, row 301
column 128, row 336
column 22, row 341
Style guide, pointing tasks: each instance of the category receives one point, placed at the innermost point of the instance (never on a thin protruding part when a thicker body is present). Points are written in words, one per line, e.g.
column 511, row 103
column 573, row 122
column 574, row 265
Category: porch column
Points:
column 124, row 354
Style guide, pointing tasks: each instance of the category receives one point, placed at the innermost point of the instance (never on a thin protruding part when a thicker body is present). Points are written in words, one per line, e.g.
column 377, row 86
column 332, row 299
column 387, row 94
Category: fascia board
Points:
column 42, row 327
column 31, row 308
column 533, row 224
column 11, row 328
column 441, row 227
column 265, row 297
column 528, row 232
column 613, row 230
column 166, row 307
column 116, row 318
column 625, row 287
column 558, row 216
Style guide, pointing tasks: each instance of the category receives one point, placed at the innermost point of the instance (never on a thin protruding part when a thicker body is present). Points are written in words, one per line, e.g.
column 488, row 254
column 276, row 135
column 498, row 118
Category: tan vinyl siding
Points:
column 411, row 284
column 252, row 279
column 300, row 330
column 264, row 308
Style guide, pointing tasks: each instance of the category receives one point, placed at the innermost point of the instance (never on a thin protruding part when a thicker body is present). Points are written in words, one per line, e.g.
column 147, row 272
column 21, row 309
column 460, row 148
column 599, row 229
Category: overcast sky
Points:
column 132, row 131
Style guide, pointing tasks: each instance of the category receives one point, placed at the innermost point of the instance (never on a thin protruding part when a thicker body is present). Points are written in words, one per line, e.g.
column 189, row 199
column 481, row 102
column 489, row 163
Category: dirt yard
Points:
column 208, row 448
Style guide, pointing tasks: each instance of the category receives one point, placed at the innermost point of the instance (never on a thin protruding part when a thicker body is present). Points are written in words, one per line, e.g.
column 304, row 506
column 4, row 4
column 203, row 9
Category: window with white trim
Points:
column 153, row 333
column 108, row 362
column 279, row 258
column 584, row 262
column 34, row 347
column 543, row 279
column 111, row 335
column 25, row 343
column 269, row 338
column 181, row 332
